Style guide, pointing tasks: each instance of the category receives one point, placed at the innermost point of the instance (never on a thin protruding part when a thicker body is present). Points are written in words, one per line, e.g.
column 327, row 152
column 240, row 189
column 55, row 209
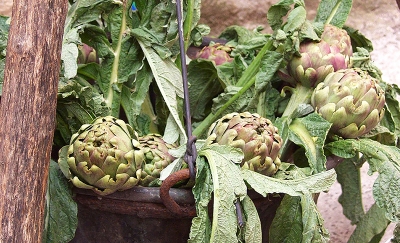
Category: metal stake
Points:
column 191, row 152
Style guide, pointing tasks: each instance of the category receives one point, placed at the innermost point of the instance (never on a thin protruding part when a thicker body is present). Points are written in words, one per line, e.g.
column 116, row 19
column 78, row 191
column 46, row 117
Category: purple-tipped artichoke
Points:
column 256, row 136
column 156, row 157
column 217, row 53
column 336, row 36
column 87, row 54
column 104, row 156
column 351, row 100
column 317, row 60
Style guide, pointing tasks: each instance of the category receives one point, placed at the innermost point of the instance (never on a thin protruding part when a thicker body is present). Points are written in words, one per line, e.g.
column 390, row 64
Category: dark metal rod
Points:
column 191, row 152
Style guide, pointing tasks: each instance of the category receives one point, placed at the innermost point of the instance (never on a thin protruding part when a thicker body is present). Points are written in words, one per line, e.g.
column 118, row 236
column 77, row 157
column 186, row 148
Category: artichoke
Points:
column 256, row 136
column 156, row 157
column 87, row 54
column 104, row 156
column 336, row 36
column 351, row 100
column 217, row 53
column 316, row 61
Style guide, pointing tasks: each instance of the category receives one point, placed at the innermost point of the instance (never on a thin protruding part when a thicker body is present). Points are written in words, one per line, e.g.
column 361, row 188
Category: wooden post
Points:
column 27, row 116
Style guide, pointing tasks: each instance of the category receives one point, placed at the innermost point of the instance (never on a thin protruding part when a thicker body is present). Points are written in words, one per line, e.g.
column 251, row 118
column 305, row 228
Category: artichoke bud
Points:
column 256, row 136
column 87, row 54
column 156, row 156
column 102, row 157
column 318, row 59
column 217, row 53
column 336, row 36
column 351, row 100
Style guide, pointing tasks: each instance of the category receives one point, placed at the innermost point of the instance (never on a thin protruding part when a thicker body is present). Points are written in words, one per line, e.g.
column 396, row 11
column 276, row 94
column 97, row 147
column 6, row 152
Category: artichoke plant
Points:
column 156, row 157
column 104, row 156
column 217, row 53
column 256, row 136
column 351, row 100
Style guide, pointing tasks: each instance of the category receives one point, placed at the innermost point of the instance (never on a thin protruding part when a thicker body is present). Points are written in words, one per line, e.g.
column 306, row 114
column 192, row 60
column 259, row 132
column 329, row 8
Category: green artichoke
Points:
column 256, row 136
column 336, row 36
column 351, row 100
column 156, row 157
column 104, row 156
column 316, row 61
column 217, row 53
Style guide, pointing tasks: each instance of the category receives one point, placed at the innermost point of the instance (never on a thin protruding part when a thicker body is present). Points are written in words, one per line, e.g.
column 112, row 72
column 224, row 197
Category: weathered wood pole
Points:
column 27, row 116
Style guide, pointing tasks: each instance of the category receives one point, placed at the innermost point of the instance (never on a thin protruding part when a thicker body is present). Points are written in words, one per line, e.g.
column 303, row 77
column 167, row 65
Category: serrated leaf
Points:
column 295, row 19
column 298, row 220
column 287, row 225
column 334, row 12
column 312, row 184
column 276, row 12
column 382, row 159
column 169, row 82
column 227, row 188
column 204, row 86
column 313, row 223
column 310, row 132
column 349, row 177
column 371, row 225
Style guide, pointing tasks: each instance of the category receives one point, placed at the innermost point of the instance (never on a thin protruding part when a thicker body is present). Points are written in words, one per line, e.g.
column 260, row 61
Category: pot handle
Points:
column 168, row 201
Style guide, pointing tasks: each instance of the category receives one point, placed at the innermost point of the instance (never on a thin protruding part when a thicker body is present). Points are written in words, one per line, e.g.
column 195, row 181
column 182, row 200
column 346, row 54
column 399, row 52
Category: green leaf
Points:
column 312, row 184
column 295, row 19
column 298, row 220
column 238, row 105
column 373, row 224
column 78, row 103
column 269, row 65
column 227, row 188
column 252, row 230
column 334, row 12
column 313, row 224
column 200, row 230
column 80, row 13
column 382, row 159
column 358, row 39
column 169, row 82
column 310, row 132
column 204, row 86
column 287, row 224
column 277, row 11
column 62, row 211
column 392, row 108
column 348, row 176
column 137, row 101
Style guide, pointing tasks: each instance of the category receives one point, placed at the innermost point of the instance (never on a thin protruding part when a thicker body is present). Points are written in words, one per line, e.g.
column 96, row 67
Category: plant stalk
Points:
column 109, row 99
column 187, row 25
column 246, row 81
column 300, row 95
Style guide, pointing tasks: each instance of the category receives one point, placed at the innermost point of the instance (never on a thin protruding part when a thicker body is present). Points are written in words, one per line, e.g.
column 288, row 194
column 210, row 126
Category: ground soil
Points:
column 378, row 20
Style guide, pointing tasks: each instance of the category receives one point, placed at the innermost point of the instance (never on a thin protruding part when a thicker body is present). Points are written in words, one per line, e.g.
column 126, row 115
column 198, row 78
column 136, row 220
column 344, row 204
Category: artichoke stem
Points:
column 300, row 95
